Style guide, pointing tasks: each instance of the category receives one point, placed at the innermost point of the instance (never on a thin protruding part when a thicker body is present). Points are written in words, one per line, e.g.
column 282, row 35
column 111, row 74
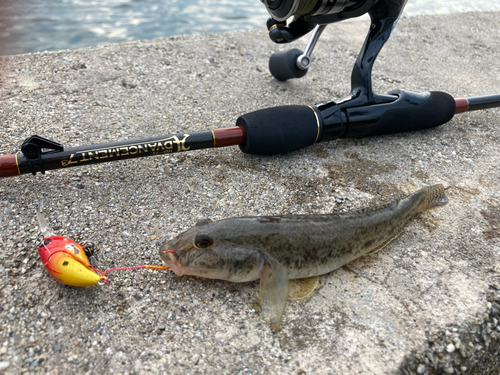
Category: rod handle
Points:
column 438, row 109
column 279, row 130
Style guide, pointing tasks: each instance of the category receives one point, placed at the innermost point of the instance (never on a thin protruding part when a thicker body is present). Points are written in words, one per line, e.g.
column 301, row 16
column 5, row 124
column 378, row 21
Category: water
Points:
column 45, row 25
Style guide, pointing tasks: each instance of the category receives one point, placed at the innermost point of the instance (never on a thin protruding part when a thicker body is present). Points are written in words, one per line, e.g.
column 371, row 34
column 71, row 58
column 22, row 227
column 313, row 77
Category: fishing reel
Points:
column 314, row 15
column 363, row 113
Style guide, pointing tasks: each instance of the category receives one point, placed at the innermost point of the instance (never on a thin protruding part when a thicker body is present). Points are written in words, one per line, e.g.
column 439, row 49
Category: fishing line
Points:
column 146, row 266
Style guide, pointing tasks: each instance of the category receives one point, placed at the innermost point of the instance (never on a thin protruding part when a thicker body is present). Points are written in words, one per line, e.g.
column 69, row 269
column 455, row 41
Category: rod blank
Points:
column 477, row 103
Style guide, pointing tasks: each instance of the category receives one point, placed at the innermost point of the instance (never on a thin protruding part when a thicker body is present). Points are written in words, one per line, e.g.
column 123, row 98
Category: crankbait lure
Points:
column 67, row 262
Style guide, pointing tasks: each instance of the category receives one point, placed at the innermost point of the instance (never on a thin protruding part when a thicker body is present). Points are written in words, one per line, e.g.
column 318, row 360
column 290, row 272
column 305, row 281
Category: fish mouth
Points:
column 171, row 259
column 167, row 254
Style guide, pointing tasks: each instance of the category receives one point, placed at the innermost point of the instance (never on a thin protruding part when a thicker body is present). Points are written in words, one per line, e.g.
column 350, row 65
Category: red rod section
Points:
column 8, row 166
column 462, row 105
column 232, row 136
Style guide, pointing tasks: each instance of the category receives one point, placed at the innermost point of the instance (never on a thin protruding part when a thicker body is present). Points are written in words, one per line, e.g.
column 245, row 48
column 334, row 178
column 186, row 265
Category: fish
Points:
column 288, row 253
column 65, row 259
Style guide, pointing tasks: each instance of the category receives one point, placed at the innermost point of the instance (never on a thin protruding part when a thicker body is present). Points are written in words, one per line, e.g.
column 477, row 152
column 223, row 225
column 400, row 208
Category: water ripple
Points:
column 39, row 25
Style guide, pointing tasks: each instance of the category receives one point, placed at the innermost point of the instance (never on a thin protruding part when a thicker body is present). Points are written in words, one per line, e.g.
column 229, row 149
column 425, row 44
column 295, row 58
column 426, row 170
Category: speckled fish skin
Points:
column 243, row 249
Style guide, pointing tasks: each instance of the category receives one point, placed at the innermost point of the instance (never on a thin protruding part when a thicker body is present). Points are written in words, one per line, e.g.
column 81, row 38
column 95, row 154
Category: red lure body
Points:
column 67, row 262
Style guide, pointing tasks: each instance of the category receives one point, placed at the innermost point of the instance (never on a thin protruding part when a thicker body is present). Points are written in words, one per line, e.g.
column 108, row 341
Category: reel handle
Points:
column 285, row 129
column 283, row 65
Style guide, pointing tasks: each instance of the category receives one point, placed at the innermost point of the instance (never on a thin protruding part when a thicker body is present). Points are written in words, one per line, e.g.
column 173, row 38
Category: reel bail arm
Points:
column 280, row 33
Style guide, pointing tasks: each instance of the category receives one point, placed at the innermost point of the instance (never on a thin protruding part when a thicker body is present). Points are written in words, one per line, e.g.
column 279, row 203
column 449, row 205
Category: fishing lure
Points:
column 67, row 262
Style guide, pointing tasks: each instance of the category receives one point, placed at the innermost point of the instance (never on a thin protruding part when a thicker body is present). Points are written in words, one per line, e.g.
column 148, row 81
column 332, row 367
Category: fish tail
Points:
column 432, row 196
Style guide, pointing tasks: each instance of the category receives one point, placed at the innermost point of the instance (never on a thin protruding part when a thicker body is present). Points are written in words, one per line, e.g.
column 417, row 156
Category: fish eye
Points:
column 202, row 241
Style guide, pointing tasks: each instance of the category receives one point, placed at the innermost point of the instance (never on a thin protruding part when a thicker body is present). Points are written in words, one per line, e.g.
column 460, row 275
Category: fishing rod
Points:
column 265, row 132
column 289, row 128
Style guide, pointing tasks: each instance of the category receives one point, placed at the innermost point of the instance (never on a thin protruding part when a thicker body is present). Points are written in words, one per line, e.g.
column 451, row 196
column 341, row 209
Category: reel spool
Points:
column 281, row 10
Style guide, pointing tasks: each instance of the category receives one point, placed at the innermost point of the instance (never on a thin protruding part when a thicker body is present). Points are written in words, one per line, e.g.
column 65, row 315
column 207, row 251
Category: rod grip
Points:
column 279, row 130
column 438, row 109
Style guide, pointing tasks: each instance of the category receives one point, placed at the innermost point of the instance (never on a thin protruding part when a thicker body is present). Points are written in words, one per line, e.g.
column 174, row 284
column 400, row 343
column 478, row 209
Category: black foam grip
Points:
column 435, row 111
column 279, row 130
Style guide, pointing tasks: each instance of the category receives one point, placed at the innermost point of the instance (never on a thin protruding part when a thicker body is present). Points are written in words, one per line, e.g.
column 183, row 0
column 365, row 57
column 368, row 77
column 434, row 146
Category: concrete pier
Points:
column 427, row 303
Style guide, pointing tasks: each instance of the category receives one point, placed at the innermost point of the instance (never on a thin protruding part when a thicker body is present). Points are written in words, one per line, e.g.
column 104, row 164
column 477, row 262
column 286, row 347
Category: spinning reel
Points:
column 362, row 113
column 314, row 15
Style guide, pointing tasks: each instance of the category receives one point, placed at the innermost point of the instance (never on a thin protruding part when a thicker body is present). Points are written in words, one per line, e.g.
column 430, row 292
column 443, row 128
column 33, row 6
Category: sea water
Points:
column 45, row 25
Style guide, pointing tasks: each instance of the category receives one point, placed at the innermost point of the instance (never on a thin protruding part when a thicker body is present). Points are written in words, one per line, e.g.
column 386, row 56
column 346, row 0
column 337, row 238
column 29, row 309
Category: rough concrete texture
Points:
column 428, row 303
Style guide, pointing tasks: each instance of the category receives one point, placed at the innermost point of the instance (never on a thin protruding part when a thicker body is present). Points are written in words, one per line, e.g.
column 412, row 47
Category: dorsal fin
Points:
column 369, row 210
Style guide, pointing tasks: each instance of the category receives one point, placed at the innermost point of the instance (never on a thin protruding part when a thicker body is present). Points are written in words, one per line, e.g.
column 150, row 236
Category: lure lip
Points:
column 44, row 226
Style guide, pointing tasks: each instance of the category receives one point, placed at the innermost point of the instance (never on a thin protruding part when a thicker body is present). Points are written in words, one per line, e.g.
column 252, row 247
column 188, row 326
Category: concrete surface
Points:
column 428, row 303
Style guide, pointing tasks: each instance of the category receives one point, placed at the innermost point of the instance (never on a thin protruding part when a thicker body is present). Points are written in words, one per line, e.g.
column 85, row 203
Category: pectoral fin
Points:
column 301, row 288
column 273, row 291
